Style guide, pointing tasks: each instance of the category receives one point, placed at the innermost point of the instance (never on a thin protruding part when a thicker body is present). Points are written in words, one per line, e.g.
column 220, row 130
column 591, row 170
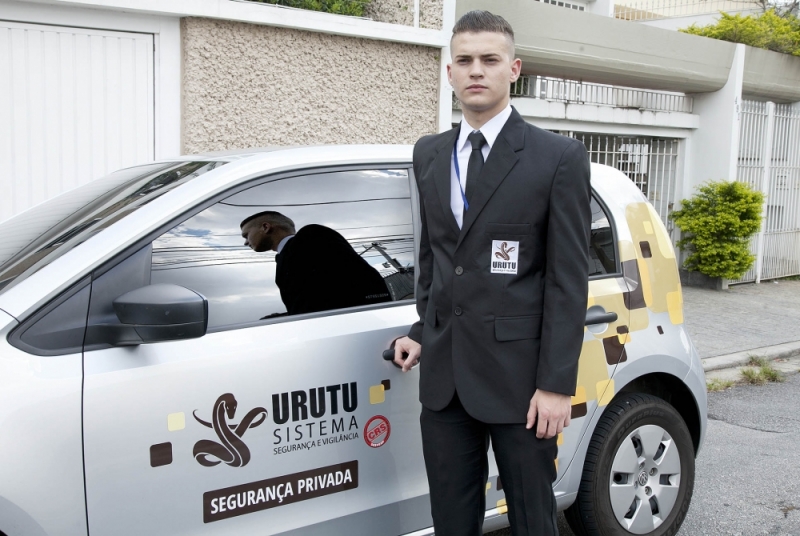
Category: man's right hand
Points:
column 410, row 347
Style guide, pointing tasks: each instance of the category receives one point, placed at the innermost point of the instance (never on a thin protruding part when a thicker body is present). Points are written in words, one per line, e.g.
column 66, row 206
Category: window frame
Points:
column 257, row 181
column 614, row 236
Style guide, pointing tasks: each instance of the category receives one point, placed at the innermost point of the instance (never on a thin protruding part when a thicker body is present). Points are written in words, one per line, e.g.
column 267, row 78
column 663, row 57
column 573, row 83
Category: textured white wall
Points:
column 402, row 12
column 247, row 85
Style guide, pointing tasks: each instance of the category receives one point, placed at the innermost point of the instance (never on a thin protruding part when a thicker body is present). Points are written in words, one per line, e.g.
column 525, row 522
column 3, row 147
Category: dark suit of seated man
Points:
column 317, row 269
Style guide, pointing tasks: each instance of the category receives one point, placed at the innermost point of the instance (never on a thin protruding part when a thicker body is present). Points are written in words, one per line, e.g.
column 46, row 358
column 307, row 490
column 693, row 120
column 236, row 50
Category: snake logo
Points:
column 231, row 449
column 504, row 253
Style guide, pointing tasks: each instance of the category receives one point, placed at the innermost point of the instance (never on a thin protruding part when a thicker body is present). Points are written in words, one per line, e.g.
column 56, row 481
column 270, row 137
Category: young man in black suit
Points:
column 317, row 269
column 502, row 292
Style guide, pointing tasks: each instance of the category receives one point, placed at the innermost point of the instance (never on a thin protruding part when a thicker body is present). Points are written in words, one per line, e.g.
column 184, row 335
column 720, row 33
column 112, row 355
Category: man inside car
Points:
column 317, row 269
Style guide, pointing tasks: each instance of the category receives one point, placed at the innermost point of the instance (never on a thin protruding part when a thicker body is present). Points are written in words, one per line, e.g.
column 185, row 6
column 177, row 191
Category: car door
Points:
column 607, row 330
column 269, row 423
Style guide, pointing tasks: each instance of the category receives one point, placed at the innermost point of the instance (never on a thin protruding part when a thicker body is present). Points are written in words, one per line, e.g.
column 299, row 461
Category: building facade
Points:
column 90, row 86
column 93, row 86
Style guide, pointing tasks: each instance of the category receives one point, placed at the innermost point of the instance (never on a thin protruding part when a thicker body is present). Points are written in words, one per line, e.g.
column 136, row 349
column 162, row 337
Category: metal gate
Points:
column 651, row 163
column 75, row 104
column 769, row 161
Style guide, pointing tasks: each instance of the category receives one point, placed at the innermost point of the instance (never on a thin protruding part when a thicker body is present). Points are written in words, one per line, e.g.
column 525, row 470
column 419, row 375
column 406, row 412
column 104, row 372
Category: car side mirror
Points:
column 163, row 313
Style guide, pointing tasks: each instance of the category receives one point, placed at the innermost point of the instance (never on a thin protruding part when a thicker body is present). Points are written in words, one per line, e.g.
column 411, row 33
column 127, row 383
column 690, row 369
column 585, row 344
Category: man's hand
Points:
column 410, row 347
column 553, row 410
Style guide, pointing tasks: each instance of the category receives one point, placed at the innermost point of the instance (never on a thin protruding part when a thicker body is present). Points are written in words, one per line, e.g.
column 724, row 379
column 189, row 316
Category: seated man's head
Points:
column 265, row 230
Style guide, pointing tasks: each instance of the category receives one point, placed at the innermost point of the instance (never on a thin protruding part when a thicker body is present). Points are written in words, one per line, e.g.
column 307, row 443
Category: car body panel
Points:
column 157, row 394
column 654, row 339
column 41, row 481
column 695, row 380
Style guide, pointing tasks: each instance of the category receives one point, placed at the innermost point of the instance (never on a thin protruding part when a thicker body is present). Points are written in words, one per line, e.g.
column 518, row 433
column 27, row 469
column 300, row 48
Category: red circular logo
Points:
column 376, row 431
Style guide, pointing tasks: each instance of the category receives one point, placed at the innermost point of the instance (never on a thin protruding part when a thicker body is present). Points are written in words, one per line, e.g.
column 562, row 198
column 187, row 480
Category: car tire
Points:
column 641, row 451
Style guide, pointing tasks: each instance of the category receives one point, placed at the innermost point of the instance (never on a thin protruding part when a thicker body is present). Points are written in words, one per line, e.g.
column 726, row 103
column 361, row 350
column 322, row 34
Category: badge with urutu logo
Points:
column 505, row 254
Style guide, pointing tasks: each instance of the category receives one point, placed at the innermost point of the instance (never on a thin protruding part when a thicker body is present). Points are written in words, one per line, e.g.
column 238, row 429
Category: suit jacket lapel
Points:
column 502, row 158
column 440, row 168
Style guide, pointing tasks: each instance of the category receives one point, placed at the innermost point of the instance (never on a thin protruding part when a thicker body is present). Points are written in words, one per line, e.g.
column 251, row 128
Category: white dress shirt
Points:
column 283, row 243
column 490, row 131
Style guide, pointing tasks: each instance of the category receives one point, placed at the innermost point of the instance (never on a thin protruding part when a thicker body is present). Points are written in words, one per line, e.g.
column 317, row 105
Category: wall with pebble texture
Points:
column 247, row 85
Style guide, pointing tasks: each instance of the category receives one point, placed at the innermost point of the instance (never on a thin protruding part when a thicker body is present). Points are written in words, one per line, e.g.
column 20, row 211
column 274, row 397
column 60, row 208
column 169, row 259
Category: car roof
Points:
column 609, row 181
column 319, row 152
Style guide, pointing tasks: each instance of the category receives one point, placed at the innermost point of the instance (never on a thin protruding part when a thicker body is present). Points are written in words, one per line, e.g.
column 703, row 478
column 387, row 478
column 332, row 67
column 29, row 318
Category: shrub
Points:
column 769, row 31
column 339, row 7
column 717, row 224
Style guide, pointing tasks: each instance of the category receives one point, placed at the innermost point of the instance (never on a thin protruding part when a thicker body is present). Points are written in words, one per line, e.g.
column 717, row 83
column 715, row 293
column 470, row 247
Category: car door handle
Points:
column 388, row 355
column 598, row 315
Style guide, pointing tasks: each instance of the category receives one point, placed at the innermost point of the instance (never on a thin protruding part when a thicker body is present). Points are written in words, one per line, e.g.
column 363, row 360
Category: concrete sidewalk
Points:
column 730, row 325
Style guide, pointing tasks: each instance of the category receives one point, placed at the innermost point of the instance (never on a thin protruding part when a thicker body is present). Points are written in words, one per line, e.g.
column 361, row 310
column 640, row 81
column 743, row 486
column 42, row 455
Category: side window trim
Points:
column 252, row 182
column 415, row 219
column 17, row 336
column 610, row 217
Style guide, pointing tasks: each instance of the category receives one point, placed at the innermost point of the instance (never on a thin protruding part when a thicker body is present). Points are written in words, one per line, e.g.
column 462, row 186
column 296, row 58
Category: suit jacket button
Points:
column 459, row 270
column 457, row 311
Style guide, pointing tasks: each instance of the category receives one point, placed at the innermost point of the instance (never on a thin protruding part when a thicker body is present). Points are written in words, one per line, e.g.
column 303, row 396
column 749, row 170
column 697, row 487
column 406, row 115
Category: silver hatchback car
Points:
column 152, row 382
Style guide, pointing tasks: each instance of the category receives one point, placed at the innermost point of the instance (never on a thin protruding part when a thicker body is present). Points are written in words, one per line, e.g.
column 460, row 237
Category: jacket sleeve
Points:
column 567, row 273
column 425, row 267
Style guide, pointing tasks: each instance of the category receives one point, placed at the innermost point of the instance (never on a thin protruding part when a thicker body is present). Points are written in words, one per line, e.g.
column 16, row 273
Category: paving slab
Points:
column 743, row 318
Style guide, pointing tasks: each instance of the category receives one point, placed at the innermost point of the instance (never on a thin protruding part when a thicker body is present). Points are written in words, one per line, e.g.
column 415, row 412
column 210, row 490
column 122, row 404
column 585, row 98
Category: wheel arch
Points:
column 675, row 392
column 14, row 520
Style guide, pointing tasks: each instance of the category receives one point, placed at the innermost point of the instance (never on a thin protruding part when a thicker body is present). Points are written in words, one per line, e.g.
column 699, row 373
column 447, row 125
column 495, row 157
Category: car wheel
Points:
column 638, row 476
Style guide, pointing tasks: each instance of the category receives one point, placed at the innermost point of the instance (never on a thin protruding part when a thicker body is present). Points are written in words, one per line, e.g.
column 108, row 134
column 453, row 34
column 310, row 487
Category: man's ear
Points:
column 516, row 68
column 265, row 226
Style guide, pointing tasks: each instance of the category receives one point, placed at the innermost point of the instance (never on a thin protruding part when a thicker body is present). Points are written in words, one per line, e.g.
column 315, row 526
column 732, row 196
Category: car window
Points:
column 353, row 246
column 33, row 239
column 602, row 248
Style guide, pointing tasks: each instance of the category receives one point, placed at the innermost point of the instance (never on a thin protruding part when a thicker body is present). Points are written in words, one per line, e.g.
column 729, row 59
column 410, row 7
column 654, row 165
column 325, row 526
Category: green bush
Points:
column 717, row 224
column 340, row 7
column 769, row 31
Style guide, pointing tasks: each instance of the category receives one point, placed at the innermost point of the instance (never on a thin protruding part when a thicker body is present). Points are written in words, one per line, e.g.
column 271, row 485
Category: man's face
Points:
column 482, row 70
column 257, row 236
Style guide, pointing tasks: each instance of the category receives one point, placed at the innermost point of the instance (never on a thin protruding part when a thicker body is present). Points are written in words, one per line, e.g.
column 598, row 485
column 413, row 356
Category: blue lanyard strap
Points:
column 458, row 177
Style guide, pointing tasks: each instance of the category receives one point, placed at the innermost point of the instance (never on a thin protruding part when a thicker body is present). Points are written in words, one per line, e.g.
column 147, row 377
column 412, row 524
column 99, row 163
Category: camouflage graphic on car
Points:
column 649, row 287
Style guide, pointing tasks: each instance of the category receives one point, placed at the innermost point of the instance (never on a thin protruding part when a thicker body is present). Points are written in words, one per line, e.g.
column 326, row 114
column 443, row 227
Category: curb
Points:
column 779, row 351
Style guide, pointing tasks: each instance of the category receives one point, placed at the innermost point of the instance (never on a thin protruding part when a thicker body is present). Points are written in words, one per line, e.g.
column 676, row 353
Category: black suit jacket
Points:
column 318, row 270
column 497, row 337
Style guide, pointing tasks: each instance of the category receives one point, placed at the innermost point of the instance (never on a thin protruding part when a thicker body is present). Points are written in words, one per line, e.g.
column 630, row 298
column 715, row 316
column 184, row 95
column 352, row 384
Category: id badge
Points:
column 505, row 254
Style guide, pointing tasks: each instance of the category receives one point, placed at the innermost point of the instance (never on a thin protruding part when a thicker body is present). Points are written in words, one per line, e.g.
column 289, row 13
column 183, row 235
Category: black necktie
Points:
column 475, row 163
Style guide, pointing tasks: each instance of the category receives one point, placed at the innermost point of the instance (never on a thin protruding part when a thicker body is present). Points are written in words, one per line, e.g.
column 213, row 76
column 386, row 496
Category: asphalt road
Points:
column 748, row 472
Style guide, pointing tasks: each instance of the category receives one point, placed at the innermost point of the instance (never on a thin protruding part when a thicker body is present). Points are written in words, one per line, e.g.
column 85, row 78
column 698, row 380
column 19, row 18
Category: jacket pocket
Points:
column 515, row 328
column 430, row 316
column 508, row 228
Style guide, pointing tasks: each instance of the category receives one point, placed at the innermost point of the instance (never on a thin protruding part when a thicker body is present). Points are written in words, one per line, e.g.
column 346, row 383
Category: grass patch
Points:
column 761, row 371
column 718, row 385
column 772, row 374
column 753, row 376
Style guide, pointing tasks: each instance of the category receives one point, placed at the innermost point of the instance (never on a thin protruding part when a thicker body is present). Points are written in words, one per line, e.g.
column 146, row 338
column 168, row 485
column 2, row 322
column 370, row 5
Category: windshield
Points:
column 36, row 237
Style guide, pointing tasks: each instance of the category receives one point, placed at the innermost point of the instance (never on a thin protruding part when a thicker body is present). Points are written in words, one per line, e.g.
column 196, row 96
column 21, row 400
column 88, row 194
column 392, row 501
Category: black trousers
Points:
column 455, row 449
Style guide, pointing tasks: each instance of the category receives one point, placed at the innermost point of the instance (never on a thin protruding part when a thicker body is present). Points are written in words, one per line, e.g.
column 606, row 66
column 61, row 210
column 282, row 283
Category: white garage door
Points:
column 75, row 104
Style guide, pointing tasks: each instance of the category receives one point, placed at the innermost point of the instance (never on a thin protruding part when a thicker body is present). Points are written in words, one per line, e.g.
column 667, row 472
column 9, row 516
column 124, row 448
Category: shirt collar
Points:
column 282, row 243
column 490, row 130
